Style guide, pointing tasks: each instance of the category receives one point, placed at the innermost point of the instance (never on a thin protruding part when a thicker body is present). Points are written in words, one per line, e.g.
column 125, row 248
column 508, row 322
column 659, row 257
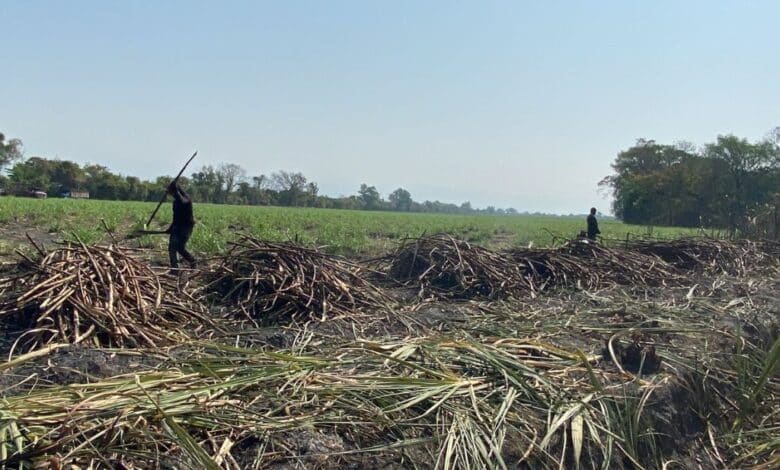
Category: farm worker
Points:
column 181, row 227
column 593, row 225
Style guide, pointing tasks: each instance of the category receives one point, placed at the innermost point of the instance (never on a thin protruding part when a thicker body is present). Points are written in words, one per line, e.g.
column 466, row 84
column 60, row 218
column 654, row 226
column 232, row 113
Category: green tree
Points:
column 137, row 190
column 10, row 151
column 746, row 166
column 231, row 175
column 103, row 184
column 244, row 194
column 207, row 184
column 723, row 186
column 261, row 192
column 32, row 174
column 369, row 197
column 291, row 188
column 312, row 190
column 400, row 200
column 66, row 176
column 639, row 192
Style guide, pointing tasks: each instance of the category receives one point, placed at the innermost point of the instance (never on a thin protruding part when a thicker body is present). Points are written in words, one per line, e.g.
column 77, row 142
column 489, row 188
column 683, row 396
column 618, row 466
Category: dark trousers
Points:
column 177, row 244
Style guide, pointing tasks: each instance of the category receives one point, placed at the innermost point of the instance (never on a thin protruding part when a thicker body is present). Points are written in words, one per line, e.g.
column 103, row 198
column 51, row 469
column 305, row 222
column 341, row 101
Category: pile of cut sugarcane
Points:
column 98, row 295
column 711, row 255
column 442, row 266
column 590, row 265
column 271, row 281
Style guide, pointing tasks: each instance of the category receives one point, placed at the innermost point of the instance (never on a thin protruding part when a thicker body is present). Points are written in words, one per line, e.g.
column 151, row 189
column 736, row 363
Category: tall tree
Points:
column 31, row 174
column 207, row 184
column 312, row 190
column 261, row 192
column 137, row 190
column 724, row 185
column 291, row 187
column 260, row 182
column 231, row 174
column 641, row 186
column 102, row 183
column 10, row 151
column 400, row 200
column 67, row 175
column 369, row 197
column 744, row 163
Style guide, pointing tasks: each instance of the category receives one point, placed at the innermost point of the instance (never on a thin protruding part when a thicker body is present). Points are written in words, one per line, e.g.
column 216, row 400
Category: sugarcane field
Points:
column 504, row 235
column 637, row 352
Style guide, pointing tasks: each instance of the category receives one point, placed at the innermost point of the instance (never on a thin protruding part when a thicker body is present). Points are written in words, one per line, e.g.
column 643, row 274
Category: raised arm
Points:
column 178, row 193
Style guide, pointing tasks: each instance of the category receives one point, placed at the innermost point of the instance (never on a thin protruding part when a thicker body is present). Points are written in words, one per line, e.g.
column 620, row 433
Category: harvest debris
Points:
column 271, row 281
column 502, row 385
column 95, row 294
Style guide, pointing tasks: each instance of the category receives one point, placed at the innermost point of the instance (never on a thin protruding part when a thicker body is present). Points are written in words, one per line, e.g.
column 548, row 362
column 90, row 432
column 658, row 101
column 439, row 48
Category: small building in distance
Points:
column 77, row 194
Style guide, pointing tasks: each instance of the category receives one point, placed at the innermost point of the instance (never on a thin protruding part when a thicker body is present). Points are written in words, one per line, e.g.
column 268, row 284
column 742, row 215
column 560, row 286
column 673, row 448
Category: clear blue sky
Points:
column 521, row 104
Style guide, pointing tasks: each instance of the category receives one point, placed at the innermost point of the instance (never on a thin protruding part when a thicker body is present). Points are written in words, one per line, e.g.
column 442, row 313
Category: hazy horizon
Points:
column 508, row 104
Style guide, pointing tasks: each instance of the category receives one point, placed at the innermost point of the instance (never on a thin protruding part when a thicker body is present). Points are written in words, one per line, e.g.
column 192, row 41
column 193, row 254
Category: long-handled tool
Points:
column 165, row 194
column 140, row 233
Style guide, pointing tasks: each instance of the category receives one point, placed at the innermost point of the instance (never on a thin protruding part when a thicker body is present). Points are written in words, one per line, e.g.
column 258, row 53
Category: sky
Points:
column 512, row 104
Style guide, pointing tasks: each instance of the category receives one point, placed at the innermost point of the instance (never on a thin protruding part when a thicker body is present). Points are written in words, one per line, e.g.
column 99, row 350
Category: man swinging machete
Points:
column 181, row 226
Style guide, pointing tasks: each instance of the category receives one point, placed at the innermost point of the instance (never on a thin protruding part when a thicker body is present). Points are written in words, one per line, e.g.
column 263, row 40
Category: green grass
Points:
column 340, row 231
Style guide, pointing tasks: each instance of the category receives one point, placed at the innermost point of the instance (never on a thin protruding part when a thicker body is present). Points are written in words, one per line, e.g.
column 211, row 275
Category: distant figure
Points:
column 181, row 227
column 593, row 224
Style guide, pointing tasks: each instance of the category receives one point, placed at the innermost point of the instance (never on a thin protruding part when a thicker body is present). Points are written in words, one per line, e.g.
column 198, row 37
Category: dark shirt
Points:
column 182, row 209
column 593, row 227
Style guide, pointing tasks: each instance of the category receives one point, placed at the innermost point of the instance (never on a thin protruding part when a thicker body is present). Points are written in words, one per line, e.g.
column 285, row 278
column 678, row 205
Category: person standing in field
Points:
column 181, row 226
column 593, row 224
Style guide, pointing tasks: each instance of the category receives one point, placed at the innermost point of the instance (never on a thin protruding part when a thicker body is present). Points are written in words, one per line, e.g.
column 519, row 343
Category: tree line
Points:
column 731, row 183
column 226, row 183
